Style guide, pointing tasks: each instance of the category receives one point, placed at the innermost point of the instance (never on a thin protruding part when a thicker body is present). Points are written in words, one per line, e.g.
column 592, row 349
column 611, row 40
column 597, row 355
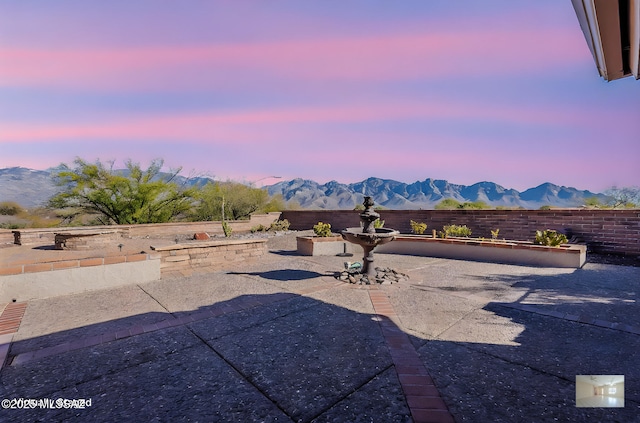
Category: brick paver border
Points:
column 422, row 396
column 10, row 320
column 11, row 317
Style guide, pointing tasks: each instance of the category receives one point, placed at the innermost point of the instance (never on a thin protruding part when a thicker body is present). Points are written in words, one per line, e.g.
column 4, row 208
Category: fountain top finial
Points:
column 368, row 216
column 368, row 202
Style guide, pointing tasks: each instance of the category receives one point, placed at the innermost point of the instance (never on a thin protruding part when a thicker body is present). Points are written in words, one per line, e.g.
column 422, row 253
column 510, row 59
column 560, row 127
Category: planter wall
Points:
column 510, row 252
column 326, row 246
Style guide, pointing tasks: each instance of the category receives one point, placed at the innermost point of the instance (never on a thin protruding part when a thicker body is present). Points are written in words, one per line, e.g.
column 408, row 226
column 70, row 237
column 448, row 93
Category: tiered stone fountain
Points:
column 369, row 237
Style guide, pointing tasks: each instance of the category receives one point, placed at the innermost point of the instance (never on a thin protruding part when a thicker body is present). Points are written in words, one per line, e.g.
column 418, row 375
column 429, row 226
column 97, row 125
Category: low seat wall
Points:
column 34, row 236
column 183, row 259
column 571, row 256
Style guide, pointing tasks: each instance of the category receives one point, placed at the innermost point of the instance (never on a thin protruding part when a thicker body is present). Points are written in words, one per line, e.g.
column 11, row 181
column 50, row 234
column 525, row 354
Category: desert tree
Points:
column 626, row 197
column 128, row 196
column 235, row 200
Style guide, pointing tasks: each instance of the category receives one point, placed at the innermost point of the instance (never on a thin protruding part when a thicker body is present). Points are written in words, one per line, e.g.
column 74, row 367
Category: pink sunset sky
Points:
column 503, row 91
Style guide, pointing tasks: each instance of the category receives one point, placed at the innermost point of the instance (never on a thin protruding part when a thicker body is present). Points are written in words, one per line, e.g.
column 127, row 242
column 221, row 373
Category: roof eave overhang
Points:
column 612, row 31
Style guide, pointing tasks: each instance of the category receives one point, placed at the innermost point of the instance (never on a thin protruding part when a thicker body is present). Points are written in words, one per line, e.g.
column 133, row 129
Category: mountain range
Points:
column 425, row 194
column 31, row 188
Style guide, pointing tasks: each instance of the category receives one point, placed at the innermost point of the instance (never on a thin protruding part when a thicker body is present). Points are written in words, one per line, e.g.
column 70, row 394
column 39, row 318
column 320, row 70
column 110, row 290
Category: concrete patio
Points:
column 281, row 340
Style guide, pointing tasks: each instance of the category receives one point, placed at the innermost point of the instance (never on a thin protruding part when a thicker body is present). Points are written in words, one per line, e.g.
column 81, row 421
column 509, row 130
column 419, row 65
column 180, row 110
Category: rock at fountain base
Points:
column 384, row 275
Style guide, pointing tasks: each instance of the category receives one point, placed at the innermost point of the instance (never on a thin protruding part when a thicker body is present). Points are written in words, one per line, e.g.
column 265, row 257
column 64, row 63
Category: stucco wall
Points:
column 46, row 280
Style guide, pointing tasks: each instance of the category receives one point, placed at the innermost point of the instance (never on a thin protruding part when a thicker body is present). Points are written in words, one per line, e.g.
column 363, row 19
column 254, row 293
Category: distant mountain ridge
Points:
column 32, row 188
column 425, row 194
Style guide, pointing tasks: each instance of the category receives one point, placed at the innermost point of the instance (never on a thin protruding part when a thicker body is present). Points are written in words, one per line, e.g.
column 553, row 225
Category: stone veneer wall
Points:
column 605, row 231
column 183, row 259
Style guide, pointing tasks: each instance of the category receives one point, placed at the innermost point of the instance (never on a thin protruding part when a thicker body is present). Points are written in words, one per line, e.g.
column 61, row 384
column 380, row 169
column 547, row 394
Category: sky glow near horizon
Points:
column 466, row 91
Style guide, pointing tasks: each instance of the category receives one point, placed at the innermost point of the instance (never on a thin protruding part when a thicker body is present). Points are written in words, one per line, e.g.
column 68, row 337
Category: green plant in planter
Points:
column 494, row 234
column 378, row 223
column 455, row 230
column 280, row 225
column 322, row 229
column 550, row 238
column 259, row 228
column 418, row 228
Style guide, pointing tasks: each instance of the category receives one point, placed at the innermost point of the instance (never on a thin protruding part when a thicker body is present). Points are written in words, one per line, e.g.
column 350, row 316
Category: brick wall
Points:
column 606, row 231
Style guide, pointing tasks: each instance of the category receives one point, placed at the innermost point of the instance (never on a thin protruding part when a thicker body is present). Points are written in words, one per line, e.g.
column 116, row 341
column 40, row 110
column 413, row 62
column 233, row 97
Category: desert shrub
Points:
column 475, row 205
column 378, row 223
column 258, row 228
column 322, row 229
column 456, row 230
column 280, row 225
column 12, row 225
column 550, row 238
column 418, row 228
column 10, row 208
column 448, row 204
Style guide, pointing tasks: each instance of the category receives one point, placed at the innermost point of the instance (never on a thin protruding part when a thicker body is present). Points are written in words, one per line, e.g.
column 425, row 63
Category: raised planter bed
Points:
column 325, row 246
column 499, row 251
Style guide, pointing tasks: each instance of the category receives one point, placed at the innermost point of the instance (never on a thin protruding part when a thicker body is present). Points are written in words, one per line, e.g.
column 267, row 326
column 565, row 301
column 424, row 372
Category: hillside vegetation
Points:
column 85, row 193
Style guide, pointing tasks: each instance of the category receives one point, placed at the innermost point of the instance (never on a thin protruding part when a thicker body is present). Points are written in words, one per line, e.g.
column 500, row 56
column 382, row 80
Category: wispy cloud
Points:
column 353, row 59
column 269, row 124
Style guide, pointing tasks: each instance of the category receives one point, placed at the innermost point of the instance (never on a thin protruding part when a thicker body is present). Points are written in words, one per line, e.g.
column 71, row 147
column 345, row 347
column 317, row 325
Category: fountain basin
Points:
column 381, row 236
column 368, row 241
